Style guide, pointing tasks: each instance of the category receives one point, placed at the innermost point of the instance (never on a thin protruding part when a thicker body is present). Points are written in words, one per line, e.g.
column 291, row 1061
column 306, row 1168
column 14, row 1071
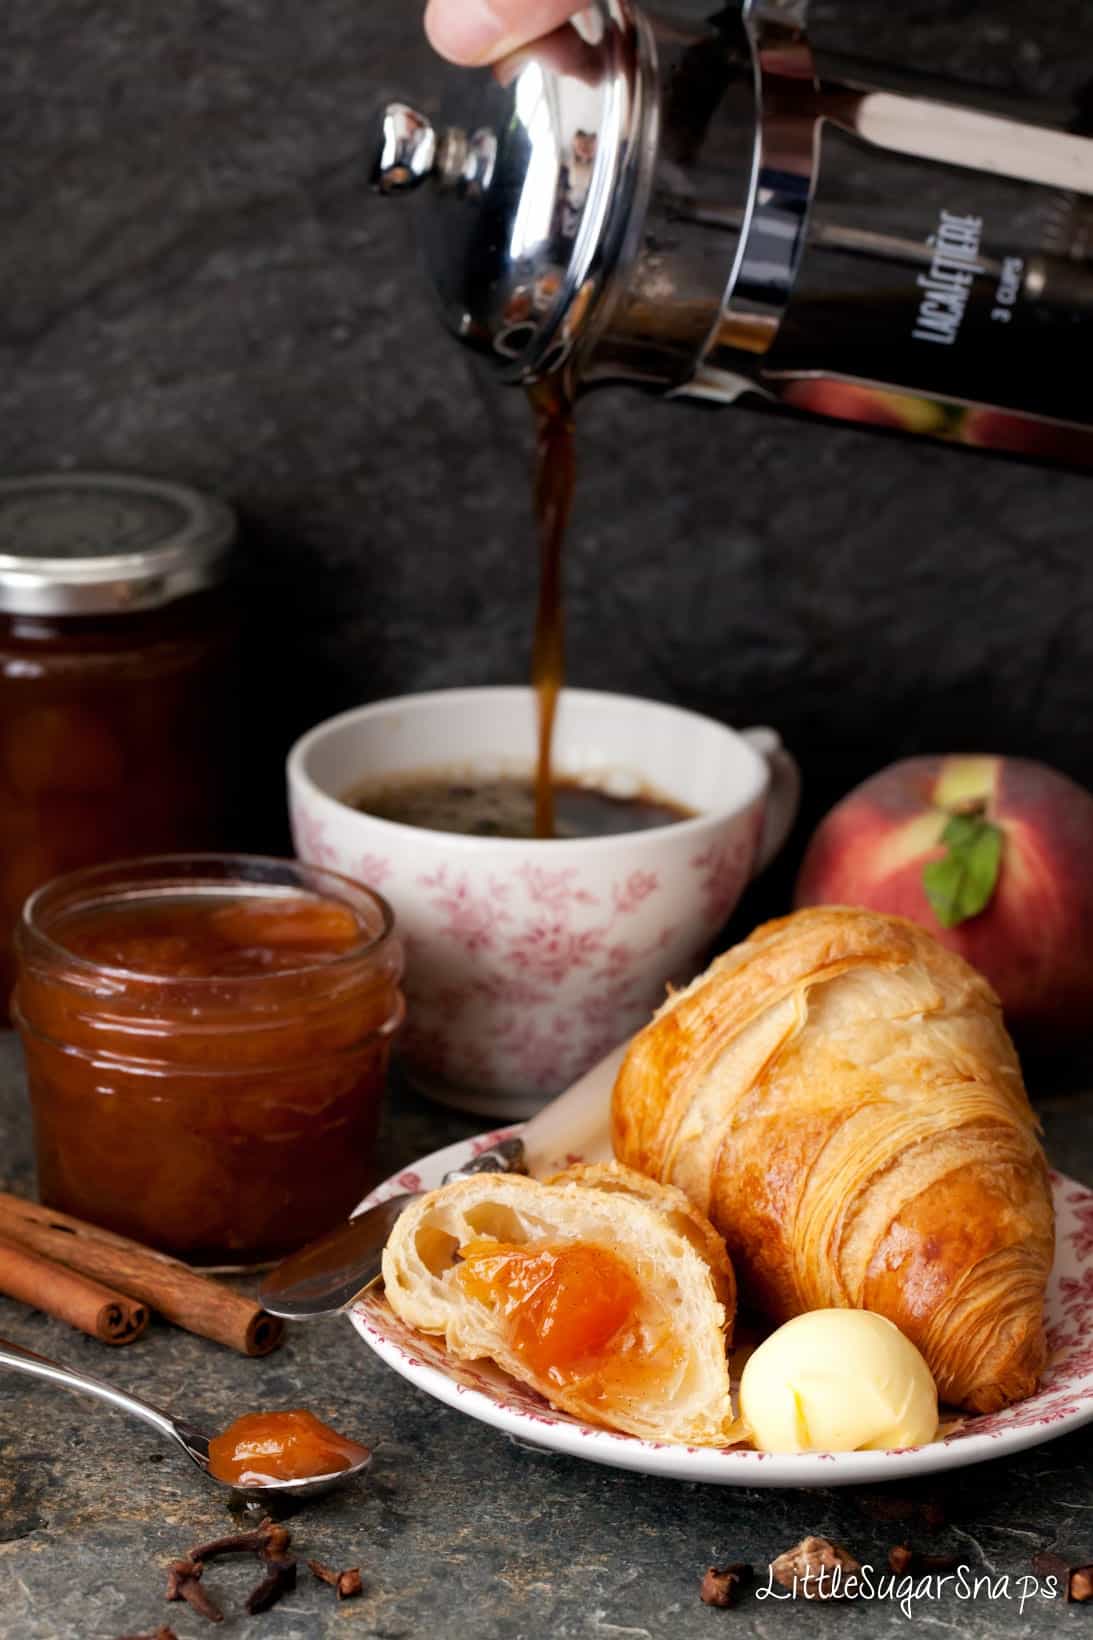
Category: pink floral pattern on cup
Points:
column 529, row 974
column 527, row 962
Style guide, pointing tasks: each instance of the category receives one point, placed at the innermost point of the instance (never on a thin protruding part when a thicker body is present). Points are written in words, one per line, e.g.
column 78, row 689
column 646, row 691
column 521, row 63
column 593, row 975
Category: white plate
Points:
column 1063, row 1402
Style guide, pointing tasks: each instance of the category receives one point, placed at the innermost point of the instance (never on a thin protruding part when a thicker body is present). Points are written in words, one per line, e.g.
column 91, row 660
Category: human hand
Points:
column 482, row 31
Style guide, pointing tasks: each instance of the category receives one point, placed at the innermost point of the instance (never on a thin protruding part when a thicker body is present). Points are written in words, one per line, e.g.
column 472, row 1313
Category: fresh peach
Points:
column 1040, row 440
column 1033, row 938
column 874, row 406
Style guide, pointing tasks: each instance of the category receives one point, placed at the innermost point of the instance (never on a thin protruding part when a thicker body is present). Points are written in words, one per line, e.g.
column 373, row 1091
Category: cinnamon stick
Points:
column 102, row 1313
column 190, row 1300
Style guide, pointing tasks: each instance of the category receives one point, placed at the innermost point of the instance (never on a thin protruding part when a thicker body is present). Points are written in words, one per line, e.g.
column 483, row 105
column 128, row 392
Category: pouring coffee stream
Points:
column 555, row 476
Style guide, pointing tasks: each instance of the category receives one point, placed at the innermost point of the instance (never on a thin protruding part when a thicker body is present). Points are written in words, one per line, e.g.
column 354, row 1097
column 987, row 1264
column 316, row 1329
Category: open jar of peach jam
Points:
column 115, row 677
column 207, row 1040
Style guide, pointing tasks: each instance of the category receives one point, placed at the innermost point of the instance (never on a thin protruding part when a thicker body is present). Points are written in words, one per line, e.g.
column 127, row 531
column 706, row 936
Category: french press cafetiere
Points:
column 717, row 211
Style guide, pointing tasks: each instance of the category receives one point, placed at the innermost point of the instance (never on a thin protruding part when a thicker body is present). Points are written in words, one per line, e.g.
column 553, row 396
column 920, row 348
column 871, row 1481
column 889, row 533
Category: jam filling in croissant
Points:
column 603, row 1291
column 575, row 1314
column 565, row 1305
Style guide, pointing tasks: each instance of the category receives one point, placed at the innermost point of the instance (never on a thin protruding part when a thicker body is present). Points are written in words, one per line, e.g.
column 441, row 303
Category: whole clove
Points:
column 278, row 1538
column 267, row 1538
column 722, row 1586
column 1080, row 1584
column 1048, row 1564
column 184, row 1583
column 279, row 1581
column 348, row 1583
column 902, row 1558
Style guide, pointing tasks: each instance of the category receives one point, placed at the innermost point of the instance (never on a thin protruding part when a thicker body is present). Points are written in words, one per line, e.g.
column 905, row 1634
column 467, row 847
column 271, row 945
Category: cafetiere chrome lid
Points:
column 531, row 174
column 630, row 194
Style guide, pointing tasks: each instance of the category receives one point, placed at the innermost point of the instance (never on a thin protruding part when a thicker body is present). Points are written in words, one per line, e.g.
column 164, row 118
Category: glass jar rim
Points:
column 166, row 873
column 180, row 1070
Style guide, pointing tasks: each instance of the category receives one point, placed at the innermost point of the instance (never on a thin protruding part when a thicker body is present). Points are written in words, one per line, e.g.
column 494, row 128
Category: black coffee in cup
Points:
column 504, row 806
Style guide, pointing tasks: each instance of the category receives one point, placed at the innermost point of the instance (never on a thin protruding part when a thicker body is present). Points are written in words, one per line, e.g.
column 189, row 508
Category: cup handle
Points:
column 783, row 798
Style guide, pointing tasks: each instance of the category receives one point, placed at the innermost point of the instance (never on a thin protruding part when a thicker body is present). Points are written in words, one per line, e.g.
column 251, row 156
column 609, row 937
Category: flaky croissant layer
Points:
column 839, row 1096
column 604, row 1291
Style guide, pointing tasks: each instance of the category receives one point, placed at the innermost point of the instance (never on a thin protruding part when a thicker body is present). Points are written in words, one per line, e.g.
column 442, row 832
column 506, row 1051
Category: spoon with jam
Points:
column 260, row 1453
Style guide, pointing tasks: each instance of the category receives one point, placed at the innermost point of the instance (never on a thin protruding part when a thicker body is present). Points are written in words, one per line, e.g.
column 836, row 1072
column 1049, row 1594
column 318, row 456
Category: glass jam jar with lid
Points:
column 115, row 668
column 207, row 1040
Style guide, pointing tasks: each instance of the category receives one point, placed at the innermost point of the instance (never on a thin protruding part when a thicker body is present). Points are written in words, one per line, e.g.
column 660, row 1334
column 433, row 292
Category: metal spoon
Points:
column 327, row 1275
column 191, row 1440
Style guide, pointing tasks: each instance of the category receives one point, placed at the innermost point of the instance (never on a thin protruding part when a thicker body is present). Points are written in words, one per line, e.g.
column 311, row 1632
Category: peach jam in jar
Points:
column 116, row 666
column 207, row 1040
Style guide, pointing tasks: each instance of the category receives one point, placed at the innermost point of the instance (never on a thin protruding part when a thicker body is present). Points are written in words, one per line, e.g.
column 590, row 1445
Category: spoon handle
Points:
column 39, row 1366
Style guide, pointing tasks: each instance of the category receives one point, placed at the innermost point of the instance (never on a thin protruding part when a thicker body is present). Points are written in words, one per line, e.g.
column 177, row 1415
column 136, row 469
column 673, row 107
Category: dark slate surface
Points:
column 194, row 280
column 460, row 1532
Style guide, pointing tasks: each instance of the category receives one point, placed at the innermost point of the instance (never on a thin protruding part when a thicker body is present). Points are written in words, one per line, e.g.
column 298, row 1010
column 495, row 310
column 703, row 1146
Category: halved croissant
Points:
column 607, row 1295
column 839, row 1095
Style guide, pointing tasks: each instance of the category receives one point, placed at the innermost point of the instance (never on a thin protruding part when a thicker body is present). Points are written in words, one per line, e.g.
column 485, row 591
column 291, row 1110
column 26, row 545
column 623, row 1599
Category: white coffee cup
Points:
column 528, row 960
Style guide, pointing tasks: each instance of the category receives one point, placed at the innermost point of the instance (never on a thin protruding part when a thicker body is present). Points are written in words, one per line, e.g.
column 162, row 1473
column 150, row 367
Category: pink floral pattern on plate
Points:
column 1063, row 1402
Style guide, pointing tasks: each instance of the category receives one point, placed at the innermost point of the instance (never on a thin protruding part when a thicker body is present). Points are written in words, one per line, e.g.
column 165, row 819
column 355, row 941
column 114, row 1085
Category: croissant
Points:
column 838, row 1094
column 604, row 1291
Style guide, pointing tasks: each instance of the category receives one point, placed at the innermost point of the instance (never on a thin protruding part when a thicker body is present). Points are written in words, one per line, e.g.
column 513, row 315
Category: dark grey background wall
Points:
column 194, row 281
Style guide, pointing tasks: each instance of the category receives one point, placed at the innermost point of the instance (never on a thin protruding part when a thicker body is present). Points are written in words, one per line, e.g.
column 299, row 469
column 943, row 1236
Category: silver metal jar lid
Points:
column 105, row 543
